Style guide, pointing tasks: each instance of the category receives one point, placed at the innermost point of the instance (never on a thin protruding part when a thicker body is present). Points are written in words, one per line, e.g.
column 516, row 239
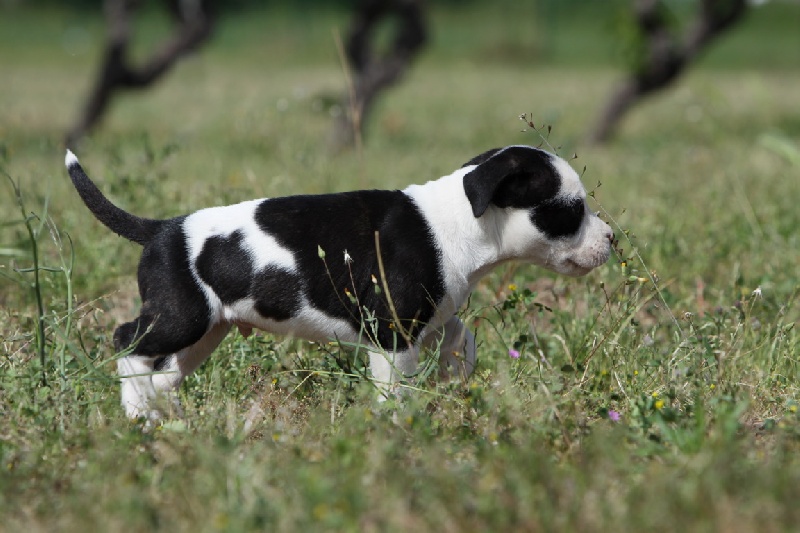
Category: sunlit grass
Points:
column 652, row 396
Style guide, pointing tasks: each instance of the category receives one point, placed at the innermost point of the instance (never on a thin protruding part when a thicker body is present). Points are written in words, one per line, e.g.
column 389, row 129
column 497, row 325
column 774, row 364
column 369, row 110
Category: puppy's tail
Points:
column 136, row 229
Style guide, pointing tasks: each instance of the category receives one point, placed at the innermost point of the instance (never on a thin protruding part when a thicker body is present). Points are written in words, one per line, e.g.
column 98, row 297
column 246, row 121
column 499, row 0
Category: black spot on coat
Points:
column 347, row 222
column 277, row 292
column 225, row 265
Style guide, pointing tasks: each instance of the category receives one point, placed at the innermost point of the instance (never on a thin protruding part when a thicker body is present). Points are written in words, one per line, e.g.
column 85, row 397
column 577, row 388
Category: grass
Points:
column 692, row 343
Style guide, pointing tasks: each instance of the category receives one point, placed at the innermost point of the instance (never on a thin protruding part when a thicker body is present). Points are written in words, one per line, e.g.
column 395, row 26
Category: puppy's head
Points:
column 539, row 204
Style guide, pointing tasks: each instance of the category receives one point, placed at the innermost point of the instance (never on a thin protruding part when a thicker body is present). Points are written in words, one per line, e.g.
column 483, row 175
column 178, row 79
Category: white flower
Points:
column 757, row 292
column 347, row 258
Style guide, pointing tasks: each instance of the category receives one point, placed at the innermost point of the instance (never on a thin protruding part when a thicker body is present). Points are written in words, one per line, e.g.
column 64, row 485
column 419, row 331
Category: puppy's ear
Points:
column 517, row 176
column 482, row 158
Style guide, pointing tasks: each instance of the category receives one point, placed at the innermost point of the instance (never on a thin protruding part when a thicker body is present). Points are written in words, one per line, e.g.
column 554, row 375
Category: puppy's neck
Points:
column 470, row 246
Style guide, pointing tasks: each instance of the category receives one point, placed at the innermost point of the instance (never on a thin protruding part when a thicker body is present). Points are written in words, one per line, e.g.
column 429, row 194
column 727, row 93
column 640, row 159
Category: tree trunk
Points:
column 373, row 72
column 194, row 27
column 665, row 57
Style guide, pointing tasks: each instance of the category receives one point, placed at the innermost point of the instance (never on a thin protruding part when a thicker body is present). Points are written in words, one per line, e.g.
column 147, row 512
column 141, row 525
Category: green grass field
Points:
column 659, row 393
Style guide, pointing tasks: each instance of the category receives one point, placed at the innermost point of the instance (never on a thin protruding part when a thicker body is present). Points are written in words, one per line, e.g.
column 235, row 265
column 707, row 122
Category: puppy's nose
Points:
column 610, row 235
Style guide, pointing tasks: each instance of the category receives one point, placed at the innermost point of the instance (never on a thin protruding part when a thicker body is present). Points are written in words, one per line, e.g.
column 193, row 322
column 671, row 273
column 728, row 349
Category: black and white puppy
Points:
column 258, row 264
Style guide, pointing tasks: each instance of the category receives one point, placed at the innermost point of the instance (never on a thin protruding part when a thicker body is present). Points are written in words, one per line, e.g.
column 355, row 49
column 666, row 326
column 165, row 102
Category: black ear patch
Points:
column 518, row 176
column 478, row 159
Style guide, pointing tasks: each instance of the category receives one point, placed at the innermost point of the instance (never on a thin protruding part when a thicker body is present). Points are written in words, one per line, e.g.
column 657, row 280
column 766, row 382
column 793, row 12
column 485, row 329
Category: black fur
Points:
column 277, row 293
column 301, row 224
column 514, row 177
column 558, row 218
column 226, row 267
column 524, row 178
column 348, row 221
column 174, row 311
column 478, row 159
column 137, row 229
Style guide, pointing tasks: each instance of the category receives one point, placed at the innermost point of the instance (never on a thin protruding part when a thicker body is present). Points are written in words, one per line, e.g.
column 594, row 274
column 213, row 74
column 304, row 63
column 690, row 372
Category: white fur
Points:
column 468, row 244
column 571, row 185
column 141, row 386
column 70, row 159
column 222, row 221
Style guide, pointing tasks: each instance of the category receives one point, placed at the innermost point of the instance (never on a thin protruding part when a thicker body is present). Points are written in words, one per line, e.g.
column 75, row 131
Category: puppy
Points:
column 388, row 269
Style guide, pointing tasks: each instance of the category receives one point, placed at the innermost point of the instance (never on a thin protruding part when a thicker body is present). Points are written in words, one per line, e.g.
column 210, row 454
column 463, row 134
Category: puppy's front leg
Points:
column 456, row 345
column 389, row 368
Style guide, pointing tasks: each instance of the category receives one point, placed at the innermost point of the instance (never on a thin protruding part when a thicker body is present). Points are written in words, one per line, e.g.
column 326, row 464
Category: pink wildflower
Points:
column 513, row 354
column 613, row 416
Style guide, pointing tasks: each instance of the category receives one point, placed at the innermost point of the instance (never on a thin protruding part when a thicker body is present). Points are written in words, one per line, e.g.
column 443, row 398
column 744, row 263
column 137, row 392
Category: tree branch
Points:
column 374, row 72
column 664, row 56
column 194, row 27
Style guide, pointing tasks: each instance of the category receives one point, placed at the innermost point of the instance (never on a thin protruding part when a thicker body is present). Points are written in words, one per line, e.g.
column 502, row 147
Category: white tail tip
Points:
column 70, row 159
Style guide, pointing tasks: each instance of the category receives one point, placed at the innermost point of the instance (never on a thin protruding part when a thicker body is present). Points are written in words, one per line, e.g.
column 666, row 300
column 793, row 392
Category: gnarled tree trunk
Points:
column 374, row 72
column 665, row 56
column 194, row 25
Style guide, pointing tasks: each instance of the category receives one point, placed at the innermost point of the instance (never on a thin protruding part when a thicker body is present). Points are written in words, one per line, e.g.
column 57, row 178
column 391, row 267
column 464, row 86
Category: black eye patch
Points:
column 521, row 190
column 559, row 217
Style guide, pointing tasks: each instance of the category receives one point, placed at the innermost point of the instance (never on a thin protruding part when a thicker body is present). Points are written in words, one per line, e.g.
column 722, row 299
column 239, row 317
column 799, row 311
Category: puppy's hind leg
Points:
column 155, row 341
column 135, row 372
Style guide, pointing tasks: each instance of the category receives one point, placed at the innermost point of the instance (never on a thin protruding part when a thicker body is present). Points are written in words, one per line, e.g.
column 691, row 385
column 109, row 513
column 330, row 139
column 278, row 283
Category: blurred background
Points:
column 177, row 104
column 95, row 61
